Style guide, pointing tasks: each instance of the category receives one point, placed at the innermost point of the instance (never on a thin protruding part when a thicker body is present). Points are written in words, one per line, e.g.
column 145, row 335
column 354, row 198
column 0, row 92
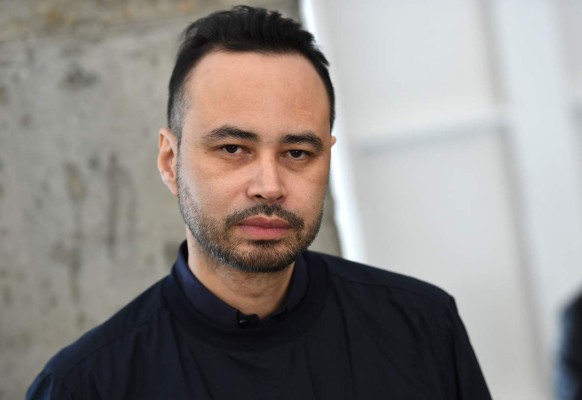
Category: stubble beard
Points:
column 217, row 239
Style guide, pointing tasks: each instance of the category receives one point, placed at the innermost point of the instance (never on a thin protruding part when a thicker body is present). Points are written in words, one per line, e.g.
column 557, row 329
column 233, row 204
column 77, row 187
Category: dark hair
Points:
column 241, row 29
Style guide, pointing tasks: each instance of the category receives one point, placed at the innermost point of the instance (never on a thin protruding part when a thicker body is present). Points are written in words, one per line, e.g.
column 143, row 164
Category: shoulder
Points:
column 357, row 274
column 132, row 320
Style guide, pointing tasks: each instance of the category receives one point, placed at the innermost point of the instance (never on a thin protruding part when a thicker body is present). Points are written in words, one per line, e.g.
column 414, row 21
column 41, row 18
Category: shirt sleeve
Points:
column 465, row 380
column 48, row 386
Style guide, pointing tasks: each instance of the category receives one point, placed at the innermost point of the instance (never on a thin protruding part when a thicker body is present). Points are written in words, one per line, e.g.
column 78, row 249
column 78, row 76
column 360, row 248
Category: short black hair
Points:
column 238, row 30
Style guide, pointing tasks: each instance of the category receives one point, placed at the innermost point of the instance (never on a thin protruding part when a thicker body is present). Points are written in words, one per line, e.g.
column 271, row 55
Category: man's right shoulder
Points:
column 133, row 319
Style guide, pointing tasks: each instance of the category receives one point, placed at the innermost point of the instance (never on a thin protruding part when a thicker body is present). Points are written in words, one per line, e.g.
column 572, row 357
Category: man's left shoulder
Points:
column 361, row 274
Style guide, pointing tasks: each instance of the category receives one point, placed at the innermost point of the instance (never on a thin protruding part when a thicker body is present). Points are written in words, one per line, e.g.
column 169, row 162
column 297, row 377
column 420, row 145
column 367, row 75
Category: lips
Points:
column 264, row 222
column 263, row 228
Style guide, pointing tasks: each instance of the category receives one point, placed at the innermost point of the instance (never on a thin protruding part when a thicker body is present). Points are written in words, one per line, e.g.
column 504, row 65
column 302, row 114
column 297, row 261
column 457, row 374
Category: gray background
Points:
column 85, row 222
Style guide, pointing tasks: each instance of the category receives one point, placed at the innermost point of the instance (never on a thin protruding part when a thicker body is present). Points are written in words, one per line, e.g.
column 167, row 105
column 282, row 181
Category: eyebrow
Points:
column 304, row 138
column 229, row 131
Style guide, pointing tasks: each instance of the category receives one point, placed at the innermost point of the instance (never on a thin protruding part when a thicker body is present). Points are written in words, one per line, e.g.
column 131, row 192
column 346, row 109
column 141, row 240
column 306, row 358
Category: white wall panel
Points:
column 570, row 14
column 424, row 67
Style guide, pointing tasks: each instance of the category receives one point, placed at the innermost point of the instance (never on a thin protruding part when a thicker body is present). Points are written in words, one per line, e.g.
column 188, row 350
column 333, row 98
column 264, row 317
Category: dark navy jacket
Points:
column 358, row 333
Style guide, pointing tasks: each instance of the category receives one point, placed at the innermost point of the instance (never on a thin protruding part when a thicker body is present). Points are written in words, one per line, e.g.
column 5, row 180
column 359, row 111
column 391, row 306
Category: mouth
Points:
column 263, row 228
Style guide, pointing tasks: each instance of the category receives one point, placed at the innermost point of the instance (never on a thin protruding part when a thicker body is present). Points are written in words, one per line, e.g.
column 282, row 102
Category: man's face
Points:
column 253, row 162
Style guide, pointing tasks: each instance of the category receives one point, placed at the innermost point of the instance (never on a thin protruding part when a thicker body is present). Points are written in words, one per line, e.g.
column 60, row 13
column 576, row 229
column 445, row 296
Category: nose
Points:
column 266, row 183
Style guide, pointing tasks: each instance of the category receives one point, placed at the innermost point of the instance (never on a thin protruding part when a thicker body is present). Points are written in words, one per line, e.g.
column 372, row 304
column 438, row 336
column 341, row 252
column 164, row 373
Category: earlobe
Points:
column 333, row 140
column 167, row 159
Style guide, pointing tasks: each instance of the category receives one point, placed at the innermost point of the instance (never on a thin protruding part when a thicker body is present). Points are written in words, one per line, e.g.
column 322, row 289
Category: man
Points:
column 569, row 366
column 247, row 312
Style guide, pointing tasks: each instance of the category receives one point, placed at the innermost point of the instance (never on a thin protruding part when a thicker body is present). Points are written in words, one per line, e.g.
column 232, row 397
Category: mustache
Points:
column 239, row 216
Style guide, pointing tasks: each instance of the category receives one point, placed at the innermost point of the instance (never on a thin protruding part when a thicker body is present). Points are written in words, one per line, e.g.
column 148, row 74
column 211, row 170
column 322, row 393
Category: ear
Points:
column 333, row 140
column 167, row 159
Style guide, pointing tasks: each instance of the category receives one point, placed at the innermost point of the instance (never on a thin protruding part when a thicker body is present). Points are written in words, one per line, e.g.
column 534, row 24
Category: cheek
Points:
column 217, row 190
column 310, row 193
column 211, row 188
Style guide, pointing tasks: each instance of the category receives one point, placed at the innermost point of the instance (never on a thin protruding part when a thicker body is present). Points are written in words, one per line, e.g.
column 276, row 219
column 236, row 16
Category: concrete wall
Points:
column 85, row 222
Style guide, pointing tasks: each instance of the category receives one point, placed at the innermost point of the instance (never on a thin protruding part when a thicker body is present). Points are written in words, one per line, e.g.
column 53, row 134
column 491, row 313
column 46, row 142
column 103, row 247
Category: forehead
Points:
column 256, row 91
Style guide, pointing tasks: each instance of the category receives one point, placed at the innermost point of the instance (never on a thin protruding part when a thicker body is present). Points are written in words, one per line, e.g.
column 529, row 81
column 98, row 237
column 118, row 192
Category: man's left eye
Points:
column 231, row 148
column 296, row 153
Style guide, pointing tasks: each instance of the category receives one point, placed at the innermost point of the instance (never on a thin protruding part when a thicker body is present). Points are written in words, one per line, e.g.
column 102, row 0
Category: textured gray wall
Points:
column 85, row 222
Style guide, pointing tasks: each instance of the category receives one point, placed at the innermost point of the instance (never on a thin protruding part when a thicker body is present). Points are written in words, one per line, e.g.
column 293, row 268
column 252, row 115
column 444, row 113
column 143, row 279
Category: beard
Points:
column 216, row 237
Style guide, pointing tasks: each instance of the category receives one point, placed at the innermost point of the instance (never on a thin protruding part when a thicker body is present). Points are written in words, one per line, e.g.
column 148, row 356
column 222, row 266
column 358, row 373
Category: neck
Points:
column 251, row 293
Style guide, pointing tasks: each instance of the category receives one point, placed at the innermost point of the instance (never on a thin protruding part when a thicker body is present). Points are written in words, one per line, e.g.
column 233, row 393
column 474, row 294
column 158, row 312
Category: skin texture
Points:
column 250, row 172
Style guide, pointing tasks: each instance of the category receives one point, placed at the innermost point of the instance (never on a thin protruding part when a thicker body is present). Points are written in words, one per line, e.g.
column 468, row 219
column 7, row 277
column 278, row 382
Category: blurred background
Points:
column 458, row 162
